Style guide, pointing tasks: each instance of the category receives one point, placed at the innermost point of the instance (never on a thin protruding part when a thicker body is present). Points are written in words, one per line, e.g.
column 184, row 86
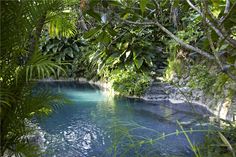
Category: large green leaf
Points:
column 75, row 47
column 176, row 3
column 114, row 3
column 113, row 59
column 69, row 52
column 148, row 60
column 91, row 32
column 103, row 37
column 49, row 47
column 111, row 31
column 54, row 50
column 138, row 62
column 95, row 15
column 227, row 143
column 93, row 3
column 61, row 45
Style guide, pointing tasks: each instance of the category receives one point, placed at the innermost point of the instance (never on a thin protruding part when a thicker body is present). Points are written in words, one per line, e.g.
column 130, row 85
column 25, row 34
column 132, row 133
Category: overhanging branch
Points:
column 181, row 42
column 229, row 40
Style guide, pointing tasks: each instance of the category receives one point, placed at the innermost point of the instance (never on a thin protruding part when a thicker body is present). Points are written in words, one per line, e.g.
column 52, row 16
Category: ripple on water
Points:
column 95, row 123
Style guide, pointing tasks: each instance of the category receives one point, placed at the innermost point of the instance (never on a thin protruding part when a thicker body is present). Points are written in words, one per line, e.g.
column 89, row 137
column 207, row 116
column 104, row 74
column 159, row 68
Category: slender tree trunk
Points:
column 174, row 15
column 36, row 36
column 81, row 23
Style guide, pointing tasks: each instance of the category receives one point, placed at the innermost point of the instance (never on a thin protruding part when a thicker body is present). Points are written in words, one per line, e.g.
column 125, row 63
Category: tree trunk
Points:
column 81, row 23
column 36, row 36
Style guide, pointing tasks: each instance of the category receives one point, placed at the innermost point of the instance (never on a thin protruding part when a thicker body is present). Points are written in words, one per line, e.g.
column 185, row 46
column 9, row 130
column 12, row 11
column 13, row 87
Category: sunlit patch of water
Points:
column 99, row 125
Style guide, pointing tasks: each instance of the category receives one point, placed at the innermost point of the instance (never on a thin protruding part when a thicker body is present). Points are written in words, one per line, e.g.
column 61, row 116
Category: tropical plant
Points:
column 220, row 143
column 197, row 32
column 119, row 44
column 118, row 35
column 201, row 78
column 21, row 63
column 65, row 51
column 129, row 82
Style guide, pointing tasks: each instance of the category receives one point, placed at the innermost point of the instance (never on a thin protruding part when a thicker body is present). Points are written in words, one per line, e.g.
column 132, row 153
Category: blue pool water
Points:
column 95, row 124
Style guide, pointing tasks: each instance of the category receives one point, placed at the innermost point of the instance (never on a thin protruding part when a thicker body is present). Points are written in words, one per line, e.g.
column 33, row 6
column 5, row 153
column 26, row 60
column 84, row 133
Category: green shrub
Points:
column 201, row 78
column 128, row 82
column 174, row 67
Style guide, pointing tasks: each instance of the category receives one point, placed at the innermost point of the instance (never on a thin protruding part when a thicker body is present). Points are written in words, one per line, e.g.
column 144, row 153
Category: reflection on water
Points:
column 98, row 125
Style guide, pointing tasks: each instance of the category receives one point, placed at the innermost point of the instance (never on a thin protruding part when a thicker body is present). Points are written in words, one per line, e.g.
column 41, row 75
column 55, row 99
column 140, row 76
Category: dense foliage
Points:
column 65, row 51
column 22, row 62
column 220, row 144
column 125, row 42
column 129, row 82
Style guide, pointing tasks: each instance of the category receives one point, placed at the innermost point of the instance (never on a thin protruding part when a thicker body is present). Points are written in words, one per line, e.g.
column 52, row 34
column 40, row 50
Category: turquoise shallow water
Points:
column 95, row 124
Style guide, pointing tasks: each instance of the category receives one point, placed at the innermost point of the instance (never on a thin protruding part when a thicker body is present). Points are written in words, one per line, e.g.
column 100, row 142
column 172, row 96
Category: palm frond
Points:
column 41, row 66
column 19, row 19
column 12, row 15
column 62, row 24
column 6, row 98
column 42, row 102
column 36, row 9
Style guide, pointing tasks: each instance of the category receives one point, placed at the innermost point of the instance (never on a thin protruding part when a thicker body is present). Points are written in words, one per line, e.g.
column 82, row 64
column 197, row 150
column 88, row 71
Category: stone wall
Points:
column 178, row 92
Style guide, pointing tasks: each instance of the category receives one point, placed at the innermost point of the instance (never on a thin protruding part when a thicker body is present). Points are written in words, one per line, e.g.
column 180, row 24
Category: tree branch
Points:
column 208, row 12
column 229, row 40
column 214, row 50
column 181, row 42
column 116, row 39
column 227, row 13
column 227, row 7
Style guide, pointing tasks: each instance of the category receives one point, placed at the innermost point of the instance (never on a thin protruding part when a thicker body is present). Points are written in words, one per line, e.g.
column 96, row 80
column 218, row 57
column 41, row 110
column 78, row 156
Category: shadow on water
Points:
column 99, row 125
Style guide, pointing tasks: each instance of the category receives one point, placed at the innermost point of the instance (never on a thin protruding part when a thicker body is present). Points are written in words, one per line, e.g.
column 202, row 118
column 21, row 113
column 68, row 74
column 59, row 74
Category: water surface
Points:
column 96, row 124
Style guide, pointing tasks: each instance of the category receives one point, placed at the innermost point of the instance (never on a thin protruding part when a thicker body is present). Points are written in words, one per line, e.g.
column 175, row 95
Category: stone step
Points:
column 157, row 97
column 157, row 87
column 159, row 83
column 156, row 93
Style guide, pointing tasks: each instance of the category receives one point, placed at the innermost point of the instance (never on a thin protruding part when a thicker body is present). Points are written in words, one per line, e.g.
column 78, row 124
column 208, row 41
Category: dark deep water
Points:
column 96, row 124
